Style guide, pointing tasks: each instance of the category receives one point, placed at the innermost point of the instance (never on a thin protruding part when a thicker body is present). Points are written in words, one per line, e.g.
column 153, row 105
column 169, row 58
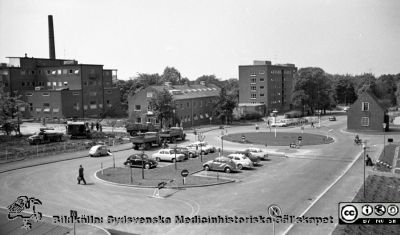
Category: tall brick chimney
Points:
column 52, row 49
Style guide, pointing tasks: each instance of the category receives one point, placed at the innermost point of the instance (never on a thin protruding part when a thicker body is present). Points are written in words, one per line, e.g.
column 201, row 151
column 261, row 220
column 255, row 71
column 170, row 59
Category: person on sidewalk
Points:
column 81, row 176
column 368, row 161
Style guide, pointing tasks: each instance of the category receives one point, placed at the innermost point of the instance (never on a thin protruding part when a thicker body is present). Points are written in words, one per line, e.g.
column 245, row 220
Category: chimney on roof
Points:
column 203, row 83
column 52, row 50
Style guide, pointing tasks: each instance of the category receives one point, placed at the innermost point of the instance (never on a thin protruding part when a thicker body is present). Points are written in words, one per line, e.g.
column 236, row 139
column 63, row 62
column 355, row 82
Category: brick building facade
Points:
column 56, row 88
column 264, row 83
column 194, row 104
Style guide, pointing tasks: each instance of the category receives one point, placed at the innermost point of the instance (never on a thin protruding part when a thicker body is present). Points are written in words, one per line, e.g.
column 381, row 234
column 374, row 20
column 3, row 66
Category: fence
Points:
column 31, row 151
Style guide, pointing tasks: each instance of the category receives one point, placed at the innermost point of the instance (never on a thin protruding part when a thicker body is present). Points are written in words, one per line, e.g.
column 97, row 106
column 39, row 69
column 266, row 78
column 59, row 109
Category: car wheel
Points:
column 203, row 152
column 239, row 166
column 228, row 170
column 147, row 166
column 191, row 155
column 173, row 160
column 158, row 159
column 206, row 167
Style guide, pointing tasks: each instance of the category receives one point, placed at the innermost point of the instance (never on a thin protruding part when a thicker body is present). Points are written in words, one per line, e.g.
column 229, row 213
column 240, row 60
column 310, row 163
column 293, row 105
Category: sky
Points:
column 204, row 37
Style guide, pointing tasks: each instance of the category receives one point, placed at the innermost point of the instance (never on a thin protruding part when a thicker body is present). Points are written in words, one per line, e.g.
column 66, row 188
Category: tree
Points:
column 210, row 79
column 172, row 75
column 313, row 89
column 344, row 91
column 10, row 111
column 162, row 105
column 224, row 106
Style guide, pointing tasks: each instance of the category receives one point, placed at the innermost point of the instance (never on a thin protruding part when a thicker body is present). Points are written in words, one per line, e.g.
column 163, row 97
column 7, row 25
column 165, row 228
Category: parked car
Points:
column 220, row 164
column 258, row 152
column 256, row 160
column 332, row 118
column 137, row 160
column 187, row 152
column 200, row 147
column 241, row 161
column 99, row 150
column 278, row 124
column 168, row 155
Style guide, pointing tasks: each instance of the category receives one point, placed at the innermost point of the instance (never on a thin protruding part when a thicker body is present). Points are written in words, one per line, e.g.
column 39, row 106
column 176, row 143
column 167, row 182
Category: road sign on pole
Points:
column 274, row 211
column 184, row 174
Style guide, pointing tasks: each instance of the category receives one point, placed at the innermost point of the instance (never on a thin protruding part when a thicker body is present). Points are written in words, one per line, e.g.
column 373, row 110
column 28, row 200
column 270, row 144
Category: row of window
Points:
column 91, row 93
column 274, row 71
column 50, row 72
column 254, row 80
column 200, row 103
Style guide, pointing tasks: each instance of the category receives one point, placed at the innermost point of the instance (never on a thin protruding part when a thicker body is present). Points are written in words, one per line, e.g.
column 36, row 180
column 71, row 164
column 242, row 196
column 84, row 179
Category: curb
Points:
column 169, row 187
column 60, row 160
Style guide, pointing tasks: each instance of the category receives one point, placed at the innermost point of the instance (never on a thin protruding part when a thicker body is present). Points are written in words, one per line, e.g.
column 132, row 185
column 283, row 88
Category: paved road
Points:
column 293, row 183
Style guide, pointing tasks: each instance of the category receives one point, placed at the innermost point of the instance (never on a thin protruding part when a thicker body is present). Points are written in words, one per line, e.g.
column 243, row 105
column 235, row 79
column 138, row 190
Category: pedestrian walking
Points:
column 81, row 177
column 97, row 126
column 368, row 161
column 312, row 124
column 101, row 127
column 91, row 126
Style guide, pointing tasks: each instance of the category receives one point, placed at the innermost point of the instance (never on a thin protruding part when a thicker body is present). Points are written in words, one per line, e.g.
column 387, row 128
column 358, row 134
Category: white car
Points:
column 204, row 147
column 241, row 161
column 168, row 155
column 278, row 124
column 258, row 153
column 99, row 150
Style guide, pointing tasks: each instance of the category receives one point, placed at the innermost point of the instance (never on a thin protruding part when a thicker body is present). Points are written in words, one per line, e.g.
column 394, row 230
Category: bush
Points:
column 252, row 116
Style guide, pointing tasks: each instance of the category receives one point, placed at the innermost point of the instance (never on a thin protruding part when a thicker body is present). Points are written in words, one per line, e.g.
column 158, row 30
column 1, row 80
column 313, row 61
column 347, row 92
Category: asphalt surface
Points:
column 305, row 183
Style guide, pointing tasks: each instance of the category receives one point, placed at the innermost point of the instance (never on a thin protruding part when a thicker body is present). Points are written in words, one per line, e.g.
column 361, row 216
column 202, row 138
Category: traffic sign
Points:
column 300, row 138
column 274, row 211
column 184, row 173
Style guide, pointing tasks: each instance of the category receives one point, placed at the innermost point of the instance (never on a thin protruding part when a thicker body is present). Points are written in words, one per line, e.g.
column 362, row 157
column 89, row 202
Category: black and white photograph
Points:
column 206, row 117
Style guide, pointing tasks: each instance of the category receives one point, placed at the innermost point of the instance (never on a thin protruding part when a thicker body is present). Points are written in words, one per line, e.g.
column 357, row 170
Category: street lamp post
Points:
column 176, row 167
column 142, row 156
column 384, row 138
column 275, row 112
column 222, row 142
column 364, row 148
column 174, row 117
column 210, row 120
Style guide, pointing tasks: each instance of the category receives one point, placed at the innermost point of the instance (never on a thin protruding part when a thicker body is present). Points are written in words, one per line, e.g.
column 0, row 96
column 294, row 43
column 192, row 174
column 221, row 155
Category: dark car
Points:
column 220, row 164
column 187, row 152
column 138, row 161
column 255, row 159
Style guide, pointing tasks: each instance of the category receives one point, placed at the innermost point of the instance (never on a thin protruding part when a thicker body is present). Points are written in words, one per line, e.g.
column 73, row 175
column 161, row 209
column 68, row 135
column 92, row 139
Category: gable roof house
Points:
column 367, row 113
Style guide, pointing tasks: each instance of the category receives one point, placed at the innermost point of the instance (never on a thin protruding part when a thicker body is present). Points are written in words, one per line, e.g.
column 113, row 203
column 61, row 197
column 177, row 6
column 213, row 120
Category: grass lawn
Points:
column 387, row 157
column 282, row 138
column 379, row 189
column 159, row 174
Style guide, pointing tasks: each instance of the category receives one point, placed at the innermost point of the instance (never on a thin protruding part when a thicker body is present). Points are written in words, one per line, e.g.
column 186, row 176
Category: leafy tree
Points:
column 172, row 75
column 163, row 105
column 387, row 88
column 313, row 89
column 224, row 106
column 344, row 91
column 10, row 113
column 210, row 79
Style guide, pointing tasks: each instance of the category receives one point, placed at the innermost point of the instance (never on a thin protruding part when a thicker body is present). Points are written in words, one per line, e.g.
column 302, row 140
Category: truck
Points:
column 78, row 130
column 172, row 134
column 146, row 140
column 45, row 135
column 135, row 128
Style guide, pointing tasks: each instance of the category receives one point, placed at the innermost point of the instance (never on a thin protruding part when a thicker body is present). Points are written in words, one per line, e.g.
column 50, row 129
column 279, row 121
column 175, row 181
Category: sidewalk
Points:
column 30, row 162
